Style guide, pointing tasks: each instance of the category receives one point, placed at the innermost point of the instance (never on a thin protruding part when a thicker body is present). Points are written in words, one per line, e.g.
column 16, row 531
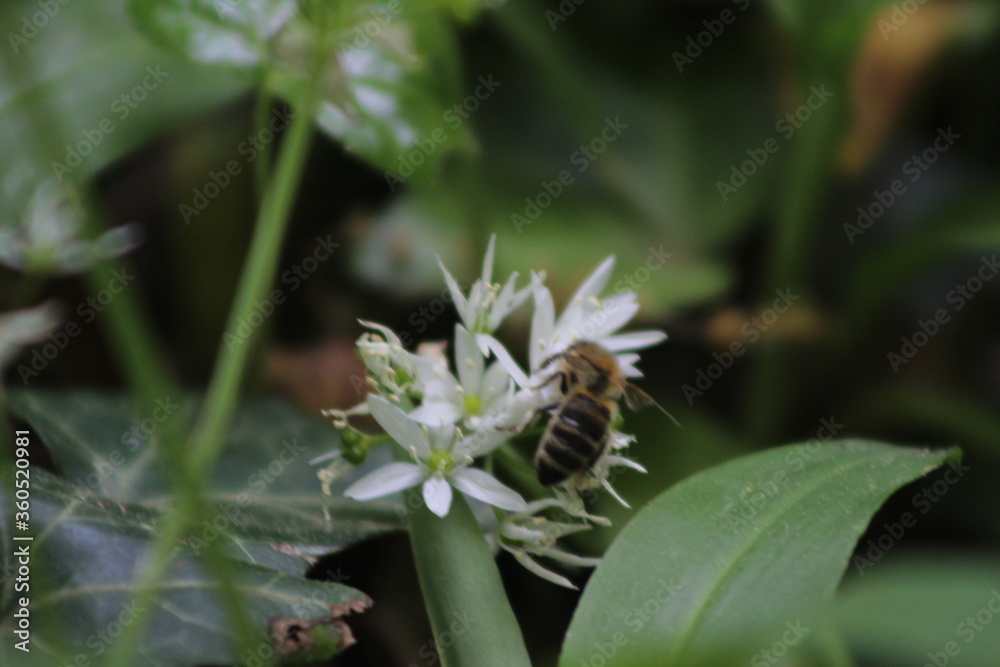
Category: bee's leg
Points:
column 530, row 418
column 561, row 376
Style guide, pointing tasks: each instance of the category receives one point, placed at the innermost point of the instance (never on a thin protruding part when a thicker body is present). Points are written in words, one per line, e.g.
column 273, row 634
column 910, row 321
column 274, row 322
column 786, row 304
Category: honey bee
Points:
column 577, row 435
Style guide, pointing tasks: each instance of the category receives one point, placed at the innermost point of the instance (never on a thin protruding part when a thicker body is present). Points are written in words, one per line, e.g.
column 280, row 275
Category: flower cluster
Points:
column 445, row 419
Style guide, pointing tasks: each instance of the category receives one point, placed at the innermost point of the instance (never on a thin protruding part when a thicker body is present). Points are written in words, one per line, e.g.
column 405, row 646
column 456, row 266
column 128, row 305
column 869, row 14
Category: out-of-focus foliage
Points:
column 842, row 154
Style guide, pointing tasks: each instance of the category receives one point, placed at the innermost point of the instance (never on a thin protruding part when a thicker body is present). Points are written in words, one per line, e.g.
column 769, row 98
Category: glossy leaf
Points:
column 720, row 566
column 92, row 548
column 266, row 496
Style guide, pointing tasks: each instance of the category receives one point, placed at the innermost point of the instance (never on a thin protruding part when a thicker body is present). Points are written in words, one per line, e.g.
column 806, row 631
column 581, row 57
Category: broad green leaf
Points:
column 268, row 497
column 472, row 620
column 720, row 566
column 936, row 608
column 86, row 554
column 89, row 89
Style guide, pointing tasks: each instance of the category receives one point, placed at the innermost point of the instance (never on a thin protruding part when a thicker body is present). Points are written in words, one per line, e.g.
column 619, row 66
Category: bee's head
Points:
column 588, row 364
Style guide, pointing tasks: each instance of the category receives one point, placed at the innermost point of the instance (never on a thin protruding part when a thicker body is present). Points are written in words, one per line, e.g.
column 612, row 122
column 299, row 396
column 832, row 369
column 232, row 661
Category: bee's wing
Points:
column 637, row 399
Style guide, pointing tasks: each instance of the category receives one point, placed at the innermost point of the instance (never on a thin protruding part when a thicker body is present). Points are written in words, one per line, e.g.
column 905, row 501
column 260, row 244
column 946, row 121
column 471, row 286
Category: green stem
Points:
column 258, row 275
column 262, row 166
column 462, row 589
column 220, row 403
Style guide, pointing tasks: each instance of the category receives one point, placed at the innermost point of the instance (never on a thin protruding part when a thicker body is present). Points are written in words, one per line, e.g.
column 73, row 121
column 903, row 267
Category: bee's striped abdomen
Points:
column 574, row 440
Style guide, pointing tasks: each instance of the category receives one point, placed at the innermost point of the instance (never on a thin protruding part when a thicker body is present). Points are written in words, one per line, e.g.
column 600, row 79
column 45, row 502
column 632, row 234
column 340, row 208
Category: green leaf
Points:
column 390, row 98
column 221, row 32
column 471, row 617
column 85, row 555
column 85, row 70
column 268, row 497
column 718, row 567
column 906, row 610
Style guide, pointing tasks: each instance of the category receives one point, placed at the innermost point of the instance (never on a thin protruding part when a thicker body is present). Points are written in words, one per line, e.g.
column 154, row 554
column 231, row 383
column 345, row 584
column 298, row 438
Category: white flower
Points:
column 48, row 238
column 438, row 465
column 389, row 364
column 488, row 303
column 586, row 317
column 524, row 535
column 480, row 397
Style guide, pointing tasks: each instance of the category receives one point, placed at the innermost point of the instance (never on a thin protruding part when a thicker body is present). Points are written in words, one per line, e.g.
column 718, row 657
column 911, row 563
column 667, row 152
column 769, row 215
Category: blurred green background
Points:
column 746, row 139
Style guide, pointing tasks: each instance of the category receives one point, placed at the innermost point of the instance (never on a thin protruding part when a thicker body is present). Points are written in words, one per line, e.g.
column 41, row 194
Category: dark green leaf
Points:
column 268, row 497
column 85, row 556
column 717, row 568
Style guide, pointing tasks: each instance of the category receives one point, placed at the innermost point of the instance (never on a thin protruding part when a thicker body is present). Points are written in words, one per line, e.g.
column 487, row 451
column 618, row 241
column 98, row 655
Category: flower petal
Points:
column 436, row 413
column 504, row 303
column 594, row 284
column 453, row 288
column 468, row 360
column 634, row 340
column 437, row 495
column 626, row 362
column 390, row 478
column 406, row 432
column 542, row 326
column 495, row 382
column 481, row 442
column 485, row 487
column 569, row 558
column 614, row 494
column 542, row 572
column 503, row 356
column 488, row 261
column 615, row 460
column 435, row 380
column 615, row 312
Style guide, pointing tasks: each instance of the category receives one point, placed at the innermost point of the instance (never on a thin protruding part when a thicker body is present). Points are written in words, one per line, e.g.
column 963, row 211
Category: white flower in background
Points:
column 441, row 461
column 21, row 328
column 480, row 397
column 487, row 304
column 48, row 238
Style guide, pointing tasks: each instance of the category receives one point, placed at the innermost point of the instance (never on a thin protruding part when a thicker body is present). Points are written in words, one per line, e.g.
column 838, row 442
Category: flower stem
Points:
column 462, row 589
